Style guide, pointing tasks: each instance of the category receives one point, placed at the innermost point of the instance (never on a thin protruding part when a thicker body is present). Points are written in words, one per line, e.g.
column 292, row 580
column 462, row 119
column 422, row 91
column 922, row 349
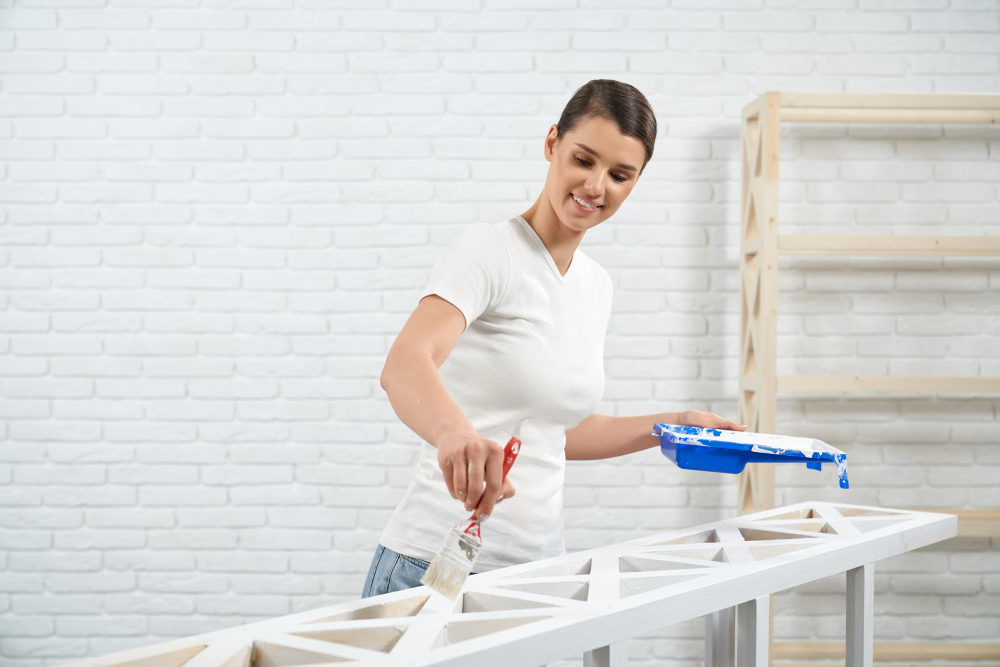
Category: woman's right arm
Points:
column 419, row 398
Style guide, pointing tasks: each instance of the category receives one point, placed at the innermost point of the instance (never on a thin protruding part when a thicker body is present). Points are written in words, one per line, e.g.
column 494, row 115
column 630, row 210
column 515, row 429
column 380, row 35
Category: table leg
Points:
column 752, row 619
column 860, row 615
column 720, row 638
column 613, row 655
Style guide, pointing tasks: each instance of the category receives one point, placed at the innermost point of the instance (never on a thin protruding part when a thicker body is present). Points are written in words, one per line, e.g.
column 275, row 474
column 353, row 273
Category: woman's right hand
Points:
column 467, row 462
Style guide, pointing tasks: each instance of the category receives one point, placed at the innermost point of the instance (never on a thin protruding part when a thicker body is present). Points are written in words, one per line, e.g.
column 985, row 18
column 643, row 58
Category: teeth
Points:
column 580, row 201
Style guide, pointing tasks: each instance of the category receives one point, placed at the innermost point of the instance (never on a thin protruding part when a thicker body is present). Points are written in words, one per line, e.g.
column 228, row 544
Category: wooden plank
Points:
column 614, row 655
column 891, row 651
column 276, row 649
column 912, row 101
column 752, row 110
column 720, row 638
column 604, row 590
column 792, row 102
column 234, row 653
column 860, row 615
column 883, row 663
column 167, row 654
column 750, row 246
column 836, row 520
column 900, row 245
column 752, row 621
column 973, row 522
column 932, row 116
column 759, row 310
column 904, row 384
column 890, row 108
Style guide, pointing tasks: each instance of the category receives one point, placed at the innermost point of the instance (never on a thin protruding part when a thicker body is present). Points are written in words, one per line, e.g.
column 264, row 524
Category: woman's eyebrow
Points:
column 594, row 153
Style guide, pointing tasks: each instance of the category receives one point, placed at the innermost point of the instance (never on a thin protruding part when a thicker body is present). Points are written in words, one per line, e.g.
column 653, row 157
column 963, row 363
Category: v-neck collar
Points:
column 540, row 244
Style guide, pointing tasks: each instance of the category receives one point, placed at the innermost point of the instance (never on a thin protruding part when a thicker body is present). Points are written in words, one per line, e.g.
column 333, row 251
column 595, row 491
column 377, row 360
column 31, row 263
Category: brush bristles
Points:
column 451, row 566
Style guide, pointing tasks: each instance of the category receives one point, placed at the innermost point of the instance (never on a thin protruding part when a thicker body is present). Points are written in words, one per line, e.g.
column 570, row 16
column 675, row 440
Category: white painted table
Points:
column 591, row 602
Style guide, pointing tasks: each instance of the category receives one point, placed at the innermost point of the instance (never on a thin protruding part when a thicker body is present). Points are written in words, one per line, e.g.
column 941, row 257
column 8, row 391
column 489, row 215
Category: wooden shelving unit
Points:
column 762, row 245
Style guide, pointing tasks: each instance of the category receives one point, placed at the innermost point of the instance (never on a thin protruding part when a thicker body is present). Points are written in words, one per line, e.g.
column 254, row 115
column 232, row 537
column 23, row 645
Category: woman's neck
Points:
column 560, row 241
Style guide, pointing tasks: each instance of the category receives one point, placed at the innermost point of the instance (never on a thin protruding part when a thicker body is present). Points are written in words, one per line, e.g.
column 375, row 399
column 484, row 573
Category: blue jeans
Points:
column 391, row 571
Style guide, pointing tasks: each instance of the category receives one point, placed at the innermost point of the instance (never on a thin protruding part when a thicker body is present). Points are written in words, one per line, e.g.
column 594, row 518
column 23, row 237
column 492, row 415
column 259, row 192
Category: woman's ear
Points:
column 548, row 146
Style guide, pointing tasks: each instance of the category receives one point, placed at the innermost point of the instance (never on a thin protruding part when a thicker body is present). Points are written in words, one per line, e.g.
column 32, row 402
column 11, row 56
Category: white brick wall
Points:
column 216, row 216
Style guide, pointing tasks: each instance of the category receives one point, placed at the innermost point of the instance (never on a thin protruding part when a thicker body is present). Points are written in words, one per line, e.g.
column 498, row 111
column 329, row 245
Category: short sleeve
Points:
column 472, row 272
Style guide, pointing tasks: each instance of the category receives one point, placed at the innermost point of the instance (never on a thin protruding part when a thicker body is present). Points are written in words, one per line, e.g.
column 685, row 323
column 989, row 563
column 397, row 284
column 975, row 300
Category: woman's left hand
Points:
column 708, row 420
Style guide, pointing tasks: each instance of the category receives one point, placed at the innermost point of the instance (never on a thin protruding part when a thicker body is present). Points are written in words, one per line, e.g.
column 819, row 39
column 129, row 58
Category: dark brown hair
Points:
column 618, row 102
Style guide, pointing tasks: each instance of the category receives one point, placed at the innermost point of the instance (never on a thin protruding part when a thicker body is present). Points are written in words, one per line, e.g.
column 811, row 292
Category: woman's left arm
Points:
column 605, row 437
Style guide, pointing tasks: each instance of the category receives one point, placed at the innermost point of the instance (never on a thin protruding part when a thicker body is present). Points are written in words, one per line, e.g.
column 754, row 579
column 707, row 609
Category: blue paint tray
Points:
column 716, row 450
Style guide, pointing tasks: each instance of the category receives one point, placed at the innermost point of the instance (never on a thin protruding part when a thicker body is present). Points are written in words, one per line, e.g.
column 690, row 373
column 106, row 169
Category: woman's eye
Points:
column 619, row 179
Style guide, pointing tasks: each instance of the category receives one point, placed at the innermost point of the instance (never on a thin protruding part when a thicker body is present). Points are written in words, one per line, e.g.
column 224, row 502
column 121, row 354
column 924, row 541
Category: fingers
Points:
column 473, row 472
column 729, row 424
column 710, row 420
column 459, row 474
column 446, row 471
column 474, row 492
column 722, row 422
column 494, row 471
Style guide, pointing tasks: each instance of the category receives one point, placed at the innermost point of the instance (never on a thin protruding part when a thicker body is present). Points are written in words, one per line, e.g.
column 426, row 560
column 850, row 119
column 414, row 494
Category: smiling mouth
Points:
column 584, row 202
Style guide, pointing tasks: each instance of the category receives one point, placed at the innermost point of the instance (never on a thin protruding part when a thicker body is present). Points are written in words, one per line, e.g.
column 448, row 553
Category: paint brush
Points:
column 454, row 560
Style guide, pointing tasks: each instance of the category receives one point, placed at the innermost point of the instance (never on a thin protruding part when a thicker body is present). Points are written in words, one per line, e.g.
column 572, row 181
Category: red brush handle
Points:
column 509, row 454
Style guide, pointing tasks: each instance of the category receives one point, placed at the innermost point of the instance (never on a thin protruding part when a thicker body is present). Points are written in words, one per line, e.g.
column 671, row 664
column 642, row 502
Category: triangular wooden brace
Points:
column 266, row 654
column 847, row 512
column 712, row 553
column 480, row 601
column 761, row 534
column 461, row 631
column 395, row 609
column 693, row 538
column 148, row 655
column 555, row 570
column 640, row 564
column 751, row 232
column 808, row 525
column 373, row 639
column 570, row 590
column 806, row 513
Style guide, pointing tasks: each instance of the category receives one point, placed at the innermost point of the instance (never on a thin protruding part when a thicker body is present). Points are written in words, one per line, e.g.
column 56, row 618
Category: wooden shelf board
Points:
column 923, row 384
column 823, row 245
column 972, row 522
column 965, row 108
column 920, row 651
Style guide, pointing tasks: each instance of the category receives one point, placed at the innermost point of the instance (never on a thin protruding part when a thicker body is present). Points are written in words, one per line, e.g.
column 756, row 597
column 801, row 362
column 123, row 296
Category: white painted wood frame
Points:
column 587, row 603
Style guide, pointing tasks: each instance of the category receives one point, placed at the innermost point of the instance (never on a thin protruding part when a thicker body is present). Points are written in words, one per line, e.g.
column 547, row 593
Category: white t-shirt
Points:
column 530, row 363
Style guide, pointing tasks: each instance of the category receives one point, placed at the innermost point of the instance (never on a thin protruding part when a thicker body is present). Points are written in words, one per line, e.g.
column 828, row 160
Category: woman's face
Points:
column 594, row 162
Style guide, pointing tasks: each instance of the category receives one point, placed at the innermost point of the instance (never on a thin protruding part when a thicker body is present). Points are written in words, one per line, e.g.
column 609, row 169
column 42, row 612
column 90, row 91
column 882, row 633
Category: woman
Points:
column 520, row 314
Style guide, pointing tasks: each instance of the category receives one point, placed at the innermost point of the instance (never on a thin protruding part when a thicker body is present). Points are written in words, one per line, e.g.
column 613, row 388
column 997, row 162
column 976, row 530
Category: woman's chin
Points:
column 582, row 223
